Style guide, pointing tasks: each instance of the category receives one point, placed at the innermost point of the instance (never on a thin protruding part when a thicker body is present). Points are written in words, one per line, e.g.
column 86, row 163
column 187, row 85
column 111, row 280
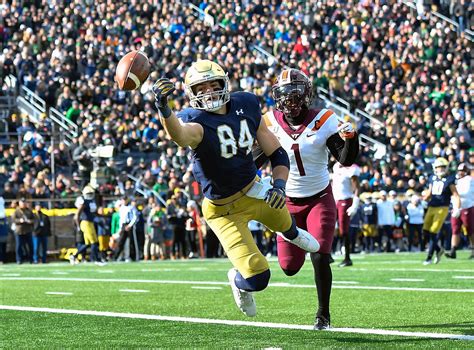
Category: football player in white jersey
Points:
column 307, row 134
column 345, row 185
column 465, row 187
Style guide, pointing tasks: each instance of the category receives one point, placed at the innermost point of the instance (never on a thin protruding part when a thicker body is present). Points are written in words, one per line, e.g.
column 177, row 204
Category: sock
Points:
column 94, row 252
column 82, row 249
column 323, row 280
column 347, row 246
column 292, row 232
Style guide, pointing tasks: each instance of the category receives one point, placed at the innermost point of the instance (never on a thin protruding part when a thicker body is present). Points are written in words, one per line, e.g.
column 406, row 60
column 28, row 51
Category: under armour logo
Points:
column 239, row 112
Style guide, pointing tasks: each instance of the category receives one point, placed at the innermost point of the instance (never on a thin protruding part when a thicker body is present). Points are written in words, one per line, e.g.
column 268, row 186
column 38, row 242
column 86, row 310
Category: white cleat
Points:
column 438, row 256
column 243, row 299
column 427, row 262
column 304, row 240
column 72, row 260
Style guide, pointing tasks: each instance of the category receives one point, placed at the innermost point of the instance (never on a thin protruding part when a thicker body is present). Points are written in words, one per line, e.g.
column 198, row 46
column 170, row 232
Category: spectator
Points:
column 3, row 231
column 385, row 220
column 414, row 217
column 23, row 220
column 41, row 233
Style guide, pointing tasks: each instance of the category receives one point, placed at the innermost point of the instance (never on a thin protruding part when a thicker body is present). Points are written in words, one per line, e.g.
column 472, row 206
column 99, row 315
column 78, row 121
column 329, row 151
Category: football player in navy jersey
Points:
column 221, row 128
column 442, row 187
column 84, row 218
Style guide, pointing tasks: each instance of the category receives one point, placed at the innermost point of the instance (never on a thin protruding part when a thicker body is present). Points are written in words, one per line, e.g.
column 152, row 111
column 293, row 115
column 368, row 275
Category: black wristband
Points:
column 165, row 110
column 279, row 183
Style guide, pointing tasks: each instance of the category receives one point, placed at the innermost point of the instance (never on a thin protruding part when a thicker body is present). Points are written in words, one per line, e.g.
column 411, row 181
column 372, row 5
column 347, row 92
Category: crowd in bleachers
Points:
column 413, row 75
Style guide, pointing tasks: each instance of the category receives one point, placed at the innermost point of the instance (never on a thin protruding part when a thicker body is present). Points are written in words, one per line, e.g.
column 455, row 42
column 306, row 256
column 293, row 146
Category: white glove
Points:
column 456, row 212
column 353, row 208
column 346, row 130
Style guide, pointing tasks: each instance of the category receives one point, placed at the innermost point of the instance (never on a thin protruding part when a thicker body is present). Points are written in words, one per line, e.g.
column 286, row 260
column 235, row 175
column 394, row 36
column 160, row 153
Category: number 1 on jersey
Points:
column 299, row 162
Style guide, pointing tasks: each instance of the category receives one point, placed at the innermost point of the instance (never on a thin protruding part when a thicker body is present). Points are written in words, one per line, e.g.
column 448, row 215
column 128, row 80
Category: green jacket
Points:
column 115, row 224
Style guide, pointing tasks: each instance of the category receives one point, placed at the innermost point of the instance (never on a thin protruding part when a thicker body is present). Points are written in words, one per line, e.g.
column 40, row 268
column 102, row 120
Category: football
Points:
column 132, row 70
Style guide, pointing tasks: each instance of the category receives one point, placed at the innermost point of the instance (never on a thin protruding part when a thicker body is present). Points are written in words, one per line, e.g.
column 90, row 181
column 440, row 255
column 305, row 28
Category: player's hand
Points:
column 162, row 88
column 456, row 213
column 346, row 130
column 276, row 196
column 352, row 210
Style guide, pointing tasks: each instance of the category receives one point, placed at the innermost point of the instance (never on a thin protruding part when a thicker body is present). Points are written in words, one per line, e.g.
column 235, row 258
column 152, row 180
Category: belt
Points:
column 297, row 200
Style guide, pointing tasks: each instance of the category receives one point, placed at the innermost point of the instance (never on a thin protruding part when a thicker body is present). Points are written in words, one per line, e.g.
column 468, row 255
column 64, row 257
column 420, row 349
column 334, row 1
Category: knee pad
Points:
column 320, row 258
column 290, row 272
column 255, row 283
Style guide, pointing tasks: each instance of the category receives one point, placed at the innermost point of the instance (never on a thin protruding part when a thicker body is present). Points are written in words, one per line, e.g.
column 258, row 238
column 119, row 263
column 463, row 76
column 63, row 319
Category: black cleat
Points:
column 322, row 323
column 331, row 260
column 346, row 262
column 451, row 255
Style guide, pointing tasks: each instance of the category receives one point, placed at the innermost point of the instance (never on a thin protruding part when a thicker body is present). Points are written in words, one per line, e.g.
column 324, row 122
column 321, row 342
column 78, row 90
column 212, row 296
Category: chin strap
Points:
column 299, row 119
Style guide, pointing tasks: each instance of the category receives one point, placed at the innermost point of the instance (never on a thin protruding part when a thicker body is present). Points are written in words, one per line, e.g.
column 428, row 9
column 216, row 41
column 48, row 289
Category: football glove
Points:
column 346, row 130
column 276, row 196
column 353, row 208
column 456, row 212
column 162, row 88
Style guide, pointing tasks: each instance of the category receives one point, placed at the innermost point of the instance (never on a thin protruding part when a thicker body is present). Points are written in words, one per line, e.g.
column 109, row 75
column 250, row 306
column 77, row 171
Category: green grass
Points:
column 412, row 311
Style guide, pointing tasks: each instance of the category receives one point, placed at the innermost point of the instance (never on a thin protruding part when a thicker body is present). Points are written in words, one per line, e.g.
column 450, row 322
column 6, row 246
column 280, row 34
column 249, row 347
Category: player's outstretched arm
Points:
column 344, row 145
column 184, row 134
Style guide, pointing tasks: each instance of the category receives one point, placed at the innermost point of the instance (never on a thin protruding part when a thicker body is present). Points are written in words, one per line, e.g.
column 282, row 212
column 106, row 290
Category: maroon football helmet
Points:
column 292, row 92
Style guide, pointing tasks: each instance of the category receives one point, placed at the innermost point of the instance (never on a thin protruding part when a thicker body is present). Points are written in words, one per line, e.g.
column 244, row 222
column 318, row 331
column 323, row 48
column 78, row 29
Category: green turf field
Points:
column 188, row 304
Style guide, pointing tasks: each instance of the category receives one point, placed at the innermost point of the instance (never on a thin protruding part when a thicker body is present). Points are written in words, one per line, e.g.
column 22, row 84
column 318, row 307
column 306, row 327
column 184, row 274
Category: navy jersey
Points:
column 369, row 213
column 440, row 191
column 223, row 162
column 89, row 209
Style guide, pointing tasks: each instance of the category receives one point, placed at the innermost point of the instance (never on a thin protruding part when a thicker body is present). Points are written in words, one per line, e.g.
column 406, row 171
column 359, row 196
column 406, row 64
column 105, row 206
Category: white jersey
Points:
column 465, row 187
column 306, row 148
column 341, row 180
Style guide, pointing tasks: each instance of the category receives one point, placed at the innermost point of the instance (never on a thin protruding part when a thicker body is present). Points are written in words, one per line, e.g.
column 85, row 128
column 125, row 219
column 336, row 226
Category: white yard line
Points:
column 464, row 277
column 196, row 287
column 59, row 273
column 284, row 285
column 58, row 293
column 411, row 270
column 105, row 271
column 134, row 290
column 238, row 323
column 10, row 274
column 407, row 280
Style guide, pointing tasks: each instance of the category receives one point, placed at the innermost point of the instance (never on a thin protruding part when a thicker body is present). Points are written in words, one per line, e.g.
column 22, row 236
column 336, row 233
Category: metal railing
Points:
column 145, row 191
column 375, row 123
column 379, row 149
column 453, row 25
column 33, row 98
column 71, row 129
